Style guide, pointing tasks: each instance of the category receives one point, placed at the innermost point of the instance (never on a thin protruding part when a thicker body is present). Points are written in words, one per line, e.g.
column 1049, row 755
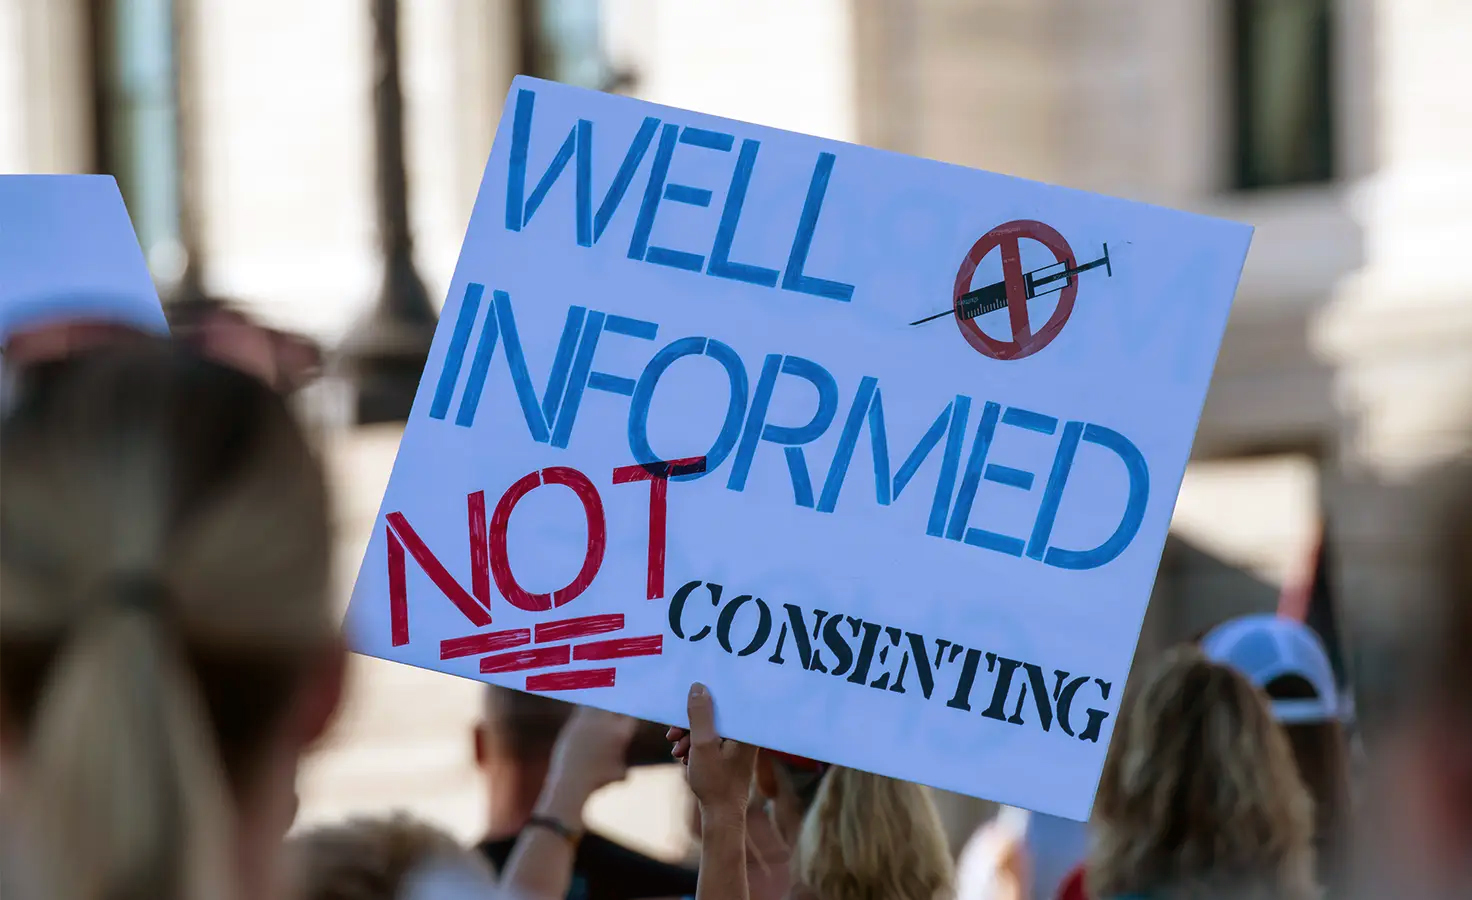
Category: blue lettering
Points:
column 802, row 242
column 501, row 321
column 977, row 471
column 577, row 149
column 583, row 375
column 658, row 172
column 720, row 254
column 946, row 483
column 757, row 428
column 579, row 140
column 678, row 193
column 644, row 394
column 1042, row 527
column 552, row 417
column 1134, row 510
column 869, row 407
column 455, row 356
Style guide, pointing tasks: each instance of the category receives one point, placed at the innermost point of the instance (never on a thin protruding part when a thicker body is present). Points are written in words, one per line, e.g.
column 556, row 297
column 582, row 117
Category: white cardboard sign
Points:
column 68, row 251
column 679, row 424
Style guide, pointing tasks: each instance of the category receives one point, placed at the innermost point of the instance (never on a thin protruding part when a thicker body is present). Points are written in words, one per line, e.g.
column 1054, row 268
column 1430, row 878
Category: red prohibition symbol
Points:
column 1025, row 339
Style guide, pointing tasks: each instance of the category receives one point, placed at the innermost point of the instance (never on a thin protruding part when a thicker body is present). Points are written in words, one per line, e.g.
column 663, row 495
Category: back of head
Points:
column 1199, row 792
column 867, row 837
column 392, row 858
column 164, row 564
column 523, row 726
column 1287, row 661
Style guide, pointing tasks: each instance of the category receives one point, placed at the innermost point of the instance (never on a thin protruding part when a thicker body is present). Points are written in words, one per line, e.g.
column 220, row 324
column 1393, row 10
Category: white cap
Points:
column 1266, row 647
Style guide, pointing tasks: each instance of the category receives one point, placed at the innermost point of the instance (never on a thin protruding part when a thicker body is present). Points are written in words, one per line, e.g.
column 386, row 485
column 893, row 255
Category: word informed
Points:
column 550, row 419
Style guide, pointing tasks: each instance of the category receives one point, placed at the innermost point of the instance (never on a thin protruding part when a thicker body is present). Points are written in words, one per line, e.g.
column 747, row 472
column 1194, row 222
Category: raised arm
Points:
column 590, row 753
column 720, row 777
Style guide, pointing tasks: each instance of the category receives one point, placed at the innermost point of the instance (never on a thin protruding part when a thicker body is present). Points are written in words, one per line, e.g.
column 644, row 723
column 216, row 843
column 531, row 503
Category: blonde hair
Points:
column 1200, row 795
column 164, row 566
column 867, row 837
column 375, row 858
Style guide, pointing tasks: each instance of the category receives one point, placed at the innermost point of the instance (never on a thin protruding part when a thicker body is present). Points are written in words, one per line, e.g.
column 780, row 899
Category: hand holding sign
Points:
column 720, row 769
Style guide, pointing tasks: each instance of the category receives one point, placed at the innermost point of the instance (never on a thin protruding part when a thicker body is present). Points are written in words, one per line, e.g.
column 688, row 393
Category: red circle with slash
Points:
column 1025, row 342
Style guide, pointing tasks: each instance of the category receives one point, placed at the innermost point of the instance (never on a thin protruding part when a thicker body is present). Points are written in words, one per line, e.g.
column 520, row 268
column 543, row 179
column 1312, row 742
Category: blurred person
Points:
column 399, row 857
column 1023, row 854
column 1199, row 796
column 996, row 862
column 854, row 835
column 386, row 858
column 516, row 747
column 223, row 331
column 1417, row 836
column 167, row 645
column 216, row 328
column 1287, row 661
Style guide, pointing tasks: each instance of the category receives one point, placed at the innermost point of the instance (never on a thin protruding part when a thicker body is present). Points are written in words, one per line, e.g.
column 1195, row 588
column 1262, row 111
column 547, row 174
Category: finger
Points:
column 674, row 734
column 702, row 715
column 681, row 750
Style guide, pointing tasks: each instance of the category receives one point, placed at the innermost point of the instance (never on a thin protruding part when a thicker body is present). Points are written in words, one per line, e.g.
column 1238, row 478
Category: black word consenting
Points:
column 932, row 661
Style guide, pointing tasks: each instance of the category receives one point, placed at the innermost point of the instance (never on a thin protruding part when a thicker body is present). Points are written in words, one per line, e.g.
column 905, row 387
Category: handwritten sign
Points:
column 882, row 450
column 68, row 251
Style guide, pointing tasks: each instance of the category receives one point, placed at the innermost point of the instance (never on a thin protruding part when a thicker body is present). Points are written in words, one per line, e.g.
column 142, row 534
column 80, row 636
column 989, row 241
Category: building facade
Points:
column 242, row 134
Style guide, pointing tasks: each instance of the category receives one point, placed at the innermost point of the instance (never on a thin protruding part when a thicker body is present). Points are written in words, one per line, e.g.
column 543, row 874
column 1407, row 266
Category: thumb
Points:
column 702, row 714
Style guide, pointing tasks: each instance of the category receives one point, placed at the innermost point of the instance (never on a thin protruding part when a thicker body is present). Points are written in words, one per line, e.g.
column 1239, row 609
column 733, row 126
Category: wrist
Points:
column 571, row 835
column 563, row 802
column 723, row 816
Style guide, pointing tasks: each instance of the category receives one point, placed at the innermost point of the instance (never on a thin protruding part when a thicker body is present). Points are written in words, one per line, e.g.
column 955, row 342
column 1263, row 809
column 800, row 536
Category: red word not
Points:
column 489, row 559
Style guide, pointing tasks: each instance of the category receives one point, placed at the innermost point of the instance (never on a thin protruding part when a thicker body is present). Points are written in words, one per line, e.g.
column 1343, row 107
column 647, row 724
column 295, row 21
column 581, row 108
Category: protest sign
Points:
column 68, row 251
column 882, row 450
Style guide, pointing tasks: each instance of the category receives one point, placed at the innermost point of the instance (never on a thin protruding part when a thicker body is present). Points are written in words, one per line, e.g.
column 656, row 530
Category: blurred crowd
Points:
column 169, row 655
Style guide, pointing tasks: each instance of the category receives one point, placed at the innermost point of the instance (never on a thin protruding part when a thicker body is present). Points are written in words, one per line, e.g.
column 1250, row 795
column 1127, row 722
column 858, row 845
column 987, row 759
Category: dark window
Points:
column 137, row 121
column 560, row 40
column 1283, row 61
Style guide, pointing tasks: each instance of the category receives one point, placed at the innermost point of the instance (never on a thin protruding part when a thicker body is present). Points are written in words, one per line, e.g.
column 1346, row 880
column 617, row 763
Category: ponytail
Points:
column 124, row 779
column 867, row 837
column 164, row 564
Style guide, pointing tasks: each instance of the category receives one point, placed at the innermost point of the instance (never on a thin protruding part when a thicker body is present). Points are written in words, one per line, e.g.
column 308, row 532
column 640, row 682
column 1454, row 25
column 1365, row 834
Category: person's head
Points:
column 1199, row 792
column 1286, row 660
column 513, row 746
column 167, row 648
column 517, row 730
column 391, row 858
column 223, row 331
column 217, row 329
column 857, row 836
